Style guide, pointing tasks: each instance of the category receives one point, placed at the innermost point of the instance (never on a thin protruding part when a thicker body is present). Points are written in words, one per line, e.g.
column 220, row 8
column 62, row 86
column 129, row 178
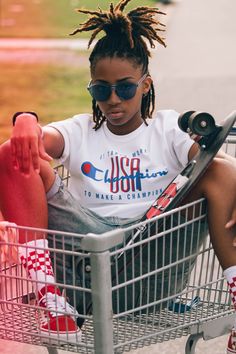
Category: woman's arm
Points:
column 53, row 142
column 193, row 151
column 220, row 154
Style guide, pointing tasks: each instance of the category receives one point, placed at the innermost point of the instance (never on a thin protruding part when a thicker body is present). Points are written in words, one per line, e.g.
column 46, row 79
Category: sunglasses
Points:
column 124, row 90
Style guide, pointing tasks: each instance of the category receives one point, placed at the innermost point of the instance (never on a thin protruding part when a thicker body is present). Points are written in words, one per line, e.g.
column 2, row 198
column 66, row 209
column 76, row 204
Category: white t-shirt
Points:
column 121, row 175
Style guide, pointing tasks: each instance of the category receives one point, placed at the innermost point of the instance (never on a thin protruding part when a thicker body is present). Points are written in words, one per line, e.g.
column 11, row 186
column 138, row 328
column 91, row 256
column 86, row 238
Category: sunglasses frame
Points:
column 114, row 86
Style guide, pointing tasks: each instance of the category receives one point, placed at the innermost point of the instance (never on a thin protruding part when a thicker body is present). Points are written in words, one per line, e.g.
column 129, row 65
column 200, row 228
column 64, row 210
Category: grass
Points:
column 48, row 18
column 54, row 92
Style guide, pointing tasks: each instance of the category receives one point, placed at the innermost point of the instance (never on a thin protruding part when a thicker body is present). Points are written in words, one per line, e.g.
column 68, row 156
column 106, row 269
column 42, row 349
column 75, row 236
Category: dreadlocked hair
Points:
column 129, row 31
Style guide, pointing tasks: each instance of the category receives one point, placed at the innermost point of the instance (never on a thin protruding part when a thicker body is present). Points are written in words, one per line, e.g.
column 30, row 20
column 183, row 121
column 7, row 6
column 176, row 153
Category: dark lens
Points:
column 126, row 91
column 100, row 92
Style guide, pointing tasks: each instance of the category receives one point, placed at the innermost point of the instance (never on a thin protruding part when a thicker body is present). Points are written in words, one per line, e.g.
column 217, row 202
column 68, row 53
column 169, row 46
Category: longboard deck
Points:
column 179, row 188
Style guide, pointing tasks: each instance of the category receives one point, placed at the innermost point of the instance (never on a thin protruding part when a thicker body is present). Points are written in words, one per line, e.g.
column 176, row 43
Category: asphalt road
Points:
column 197, row 69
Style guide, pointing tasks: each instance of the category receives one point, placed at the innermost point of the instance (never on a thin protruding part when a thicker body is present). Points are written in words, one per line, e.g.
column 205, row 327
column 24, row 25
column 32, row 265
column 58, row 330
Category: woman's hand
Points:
column 27, row 144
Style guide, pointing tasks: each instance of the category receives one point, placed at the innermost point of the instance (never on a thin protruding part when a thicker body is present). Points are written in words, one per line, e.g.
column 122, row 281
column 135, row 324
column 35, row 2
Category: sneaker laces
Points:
column 57, row 306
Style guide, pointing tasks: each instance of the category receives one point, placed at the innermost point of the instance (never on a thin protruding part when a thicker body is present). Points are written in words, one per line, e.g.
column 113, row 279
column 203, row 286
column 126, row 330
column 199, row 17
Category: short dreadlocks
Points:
column 129, row 31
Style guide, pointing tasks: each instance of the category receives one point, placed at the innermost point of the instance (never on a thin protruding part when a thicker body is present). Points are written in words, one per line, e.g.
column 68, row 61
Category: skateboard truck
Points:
column 201, row 127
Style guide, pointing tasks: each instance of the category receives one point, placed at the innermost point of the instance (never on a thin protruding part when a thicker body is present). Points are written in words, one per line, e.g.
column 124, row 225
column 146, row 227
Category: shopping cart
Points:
column 172, row 285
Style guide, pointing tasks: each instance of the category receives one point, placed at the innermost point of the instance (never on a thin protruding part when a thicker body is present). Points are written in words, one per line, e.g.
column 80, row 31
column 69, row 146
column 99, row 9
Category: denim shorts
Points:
column 65, row 214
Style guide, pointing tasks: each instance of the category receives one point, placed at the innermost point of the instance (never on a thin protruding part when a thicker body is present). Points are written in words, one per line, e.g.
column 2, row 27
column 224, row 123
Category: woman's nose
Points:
column 114, row 98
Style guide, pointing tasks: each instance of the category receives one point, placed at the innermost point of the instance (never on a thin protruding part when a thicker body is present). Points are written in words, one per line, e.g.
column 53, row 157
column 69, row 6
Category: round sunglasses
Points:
column 124, row 90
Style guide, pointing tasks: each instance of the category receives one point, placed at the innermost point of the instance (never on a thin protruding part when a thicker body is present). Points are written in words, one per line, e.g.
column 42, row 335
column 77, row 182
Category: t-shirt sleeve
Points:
column 180, row 141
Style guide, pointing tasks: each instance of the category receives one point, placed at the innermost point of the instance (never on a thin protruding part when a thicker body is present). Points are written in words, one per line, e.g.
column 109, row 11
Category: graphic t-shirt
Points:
column 121, row 175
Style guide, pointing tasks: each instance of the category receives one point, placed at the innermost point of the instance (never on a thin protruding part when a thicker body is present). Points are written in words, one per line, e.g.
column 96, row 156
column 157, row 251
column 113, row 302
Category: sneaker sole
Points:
column 55, row 338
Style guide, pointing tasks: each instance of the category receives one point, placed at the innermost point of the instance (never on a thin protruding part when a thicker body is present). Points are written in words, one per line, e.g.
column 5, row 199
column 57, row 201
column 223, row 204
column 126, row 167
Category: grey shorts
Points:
column 65, row 214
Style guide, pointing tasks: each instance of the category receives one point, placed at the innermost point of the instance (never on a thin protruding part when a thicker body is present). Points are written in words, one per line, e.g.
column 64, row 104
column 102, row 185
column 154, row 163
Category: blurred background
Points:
column 44, row 76
column 43, row 68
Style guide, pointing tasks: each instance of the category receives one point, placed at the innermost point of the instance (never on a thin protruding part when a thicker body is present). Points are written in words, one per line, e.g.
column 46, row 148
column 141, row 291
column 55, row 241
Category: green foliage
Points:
column 57, row 90
column 54, row 92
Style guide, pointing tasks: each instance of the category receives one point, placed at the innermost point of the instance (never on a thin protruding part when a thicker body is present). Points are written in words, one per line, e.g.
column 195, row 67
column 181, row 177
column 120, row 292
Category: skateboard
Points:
column 202, row 128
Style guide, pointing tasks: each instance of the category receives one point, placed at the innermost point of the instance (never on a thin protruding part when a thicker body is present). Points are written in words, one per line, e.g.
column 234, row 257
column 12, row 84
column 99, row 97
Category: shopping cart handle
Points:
column 95, row 243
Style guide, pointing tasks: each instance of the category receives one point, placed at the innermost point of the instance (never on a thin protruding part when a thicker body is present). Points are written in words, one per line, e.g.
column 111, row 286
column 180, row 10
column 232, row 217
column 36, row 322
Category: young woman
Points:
column 110, row 152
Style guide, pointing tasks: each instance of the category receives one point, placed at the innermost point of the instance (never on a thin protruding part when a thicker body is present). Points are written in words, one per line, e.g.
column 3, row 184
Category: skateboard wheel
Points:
column 202, row 123
column 183, row 120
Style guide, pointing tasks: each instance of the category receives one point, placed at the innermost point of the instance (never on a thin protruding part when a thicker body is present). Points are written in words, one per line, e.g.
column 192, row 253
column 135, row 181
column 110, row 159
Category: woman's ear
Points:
column 147, row 85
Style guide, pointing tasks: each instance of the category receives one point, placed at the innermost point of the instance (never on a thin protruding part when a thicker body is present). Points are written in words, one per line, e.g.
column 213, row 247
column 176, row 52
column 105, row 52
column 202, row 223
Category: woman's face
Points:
column 123, row 116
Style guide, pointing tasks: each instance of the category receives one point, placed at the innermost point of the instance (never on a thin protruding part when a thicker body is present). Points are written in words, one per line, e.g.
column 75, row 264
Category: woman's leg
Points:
column 218, row 186
column 23, row 201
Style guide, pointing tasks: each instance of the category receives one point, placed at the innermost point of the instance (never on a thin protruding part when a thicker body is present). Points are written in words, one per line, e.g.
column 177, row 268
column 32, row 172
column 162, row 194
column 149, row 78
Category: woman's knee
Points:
column 7, row 169
column 220, row 176
column 6, row 164
column 47, row 174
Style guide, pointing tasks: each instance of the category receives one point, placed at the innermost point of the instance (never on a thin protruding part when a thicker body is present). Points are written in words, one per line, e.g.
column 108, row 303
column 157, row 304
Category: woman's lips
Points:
column 115, row 114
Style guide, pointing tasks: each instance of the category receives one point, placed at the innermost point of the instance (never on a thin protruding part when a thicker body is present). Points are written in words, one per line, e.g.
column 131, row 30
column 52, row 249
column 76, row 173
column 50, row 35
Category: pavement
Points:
column 197, row 69
column 195, row 72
